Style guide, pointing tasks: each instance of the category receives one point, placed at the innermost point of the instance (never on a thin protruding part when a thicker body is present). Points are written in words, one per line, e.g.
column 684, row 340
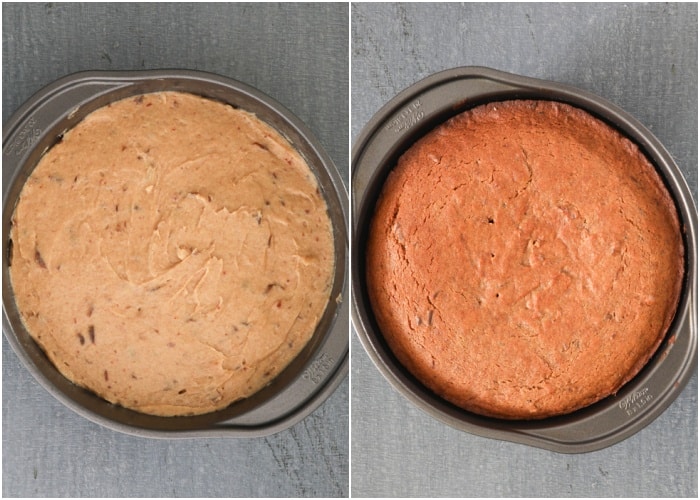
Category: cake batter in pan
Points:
column 417, row 110
column 316, row 372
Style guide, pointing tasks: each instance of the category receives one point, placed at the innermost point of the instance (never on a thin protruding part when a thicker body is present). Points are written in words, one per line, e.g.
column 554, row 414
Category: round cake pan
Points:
column 411, row 114
column 306, row 382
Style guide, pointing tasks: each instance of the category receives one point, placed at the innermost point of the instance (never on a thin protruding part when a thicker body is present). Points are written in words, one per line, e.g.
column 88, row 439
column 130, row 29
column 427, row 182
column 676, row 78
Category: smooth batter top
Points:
column 172, row 254
column 525, row 259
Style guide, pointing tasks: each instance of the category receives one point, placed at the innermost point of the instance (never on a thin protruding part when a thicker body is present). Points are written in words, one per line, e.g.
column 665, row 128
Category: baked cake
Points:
column 525, row 260
column 172, row 254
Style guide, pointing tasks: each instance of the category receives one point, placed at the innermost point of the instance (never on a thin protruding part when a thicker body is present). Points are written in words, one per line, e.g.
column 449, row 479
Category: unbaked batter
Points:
column 172, row 254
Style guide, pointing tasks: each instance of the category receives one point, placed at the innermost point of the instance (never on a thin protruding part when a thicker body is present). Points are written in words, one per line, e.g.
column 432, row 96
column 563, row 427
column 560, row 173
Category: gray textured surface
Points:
column 298, row 55
column 643, row 57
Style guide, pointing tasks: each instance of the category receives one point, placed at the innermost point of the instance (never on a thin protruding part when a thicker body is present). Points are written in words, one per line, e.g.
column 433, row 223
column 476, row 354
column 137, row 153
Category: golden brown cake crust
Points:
column 524, row 260
column 172, row 254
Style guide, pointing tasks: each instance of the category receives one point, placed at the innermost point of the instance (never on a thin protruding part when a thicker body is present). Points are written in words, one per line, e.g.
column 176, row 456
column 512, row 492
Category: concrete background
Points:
column 295, row 53
column 642, row 57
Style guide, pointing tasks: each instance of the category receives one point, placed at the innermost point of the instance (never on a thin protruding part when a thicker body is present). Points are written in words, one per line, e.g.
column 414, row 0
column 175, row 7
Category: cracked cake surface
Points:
column 524, row 259
column 171, row 253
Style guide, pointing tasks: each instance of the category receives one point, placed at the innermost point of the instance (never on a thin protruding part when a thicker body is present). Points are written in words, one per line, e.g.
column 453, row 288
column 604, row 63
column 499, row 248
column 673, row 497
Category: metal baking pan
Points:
column 411, row 114
column 306, row 382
